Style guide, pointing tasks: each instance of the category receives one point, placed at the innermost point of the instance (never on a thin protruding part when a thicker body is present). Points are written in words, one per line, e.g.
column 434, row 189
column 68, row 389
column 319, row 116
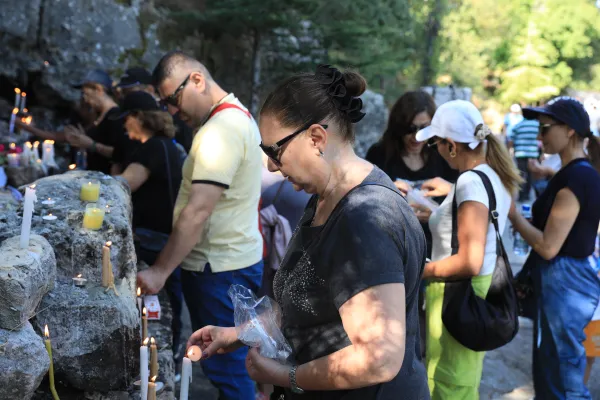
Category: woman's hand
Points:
column 402, row 186
column 77, row 138
column 266, row 370
column 436, row 187
column 423, row 213
column 215, row 340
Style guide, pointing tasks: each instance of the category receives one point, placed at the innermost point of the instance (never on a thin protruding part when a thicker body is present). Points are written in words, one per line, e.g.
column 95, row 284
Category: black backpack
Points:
column 476, row 323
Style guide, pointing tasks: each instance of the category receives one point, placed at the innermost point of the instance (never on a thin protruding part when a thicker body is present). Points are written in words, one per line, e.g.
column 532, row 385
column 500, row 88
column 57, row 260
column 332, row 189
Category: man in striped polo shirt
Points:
column 524, row 142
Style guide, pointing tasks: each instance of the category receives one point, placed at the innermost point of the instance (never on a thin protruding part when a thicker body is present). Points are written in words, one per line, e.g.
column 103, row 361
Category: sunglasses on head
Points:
column 273, row 151
column 172, row 99
column 412, row 129
column 544, row 128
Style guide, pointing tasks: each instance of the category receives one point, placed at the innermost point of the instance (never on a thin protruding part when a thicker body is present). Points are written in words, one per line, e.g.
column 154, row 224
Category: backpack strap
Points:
column 493, row 213
column 225, row 106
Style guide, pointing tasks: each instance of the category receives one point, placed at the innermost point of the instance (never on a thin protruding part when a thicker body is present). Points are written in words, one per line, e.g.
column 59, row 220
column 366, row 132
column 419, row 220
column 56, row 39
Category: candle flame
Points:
column 145, row 341
column 28, row 144
column 28, row 120
column 139, row 291
column 50, row 214
column 46, row 331
column 12, row 145
column 32, row 186
column 23, row 94
column 36, row 144
column 153, row 379
column 49, row 199
column 17, row 91
column 190, row 352
column 25, row 110
column 72, row 166
column 144, row 311
column 79, row 276
column 152, row 340
column 15, row 111
column 108, row 244
column 38, row 160
column 49, row 141
column 46, row 63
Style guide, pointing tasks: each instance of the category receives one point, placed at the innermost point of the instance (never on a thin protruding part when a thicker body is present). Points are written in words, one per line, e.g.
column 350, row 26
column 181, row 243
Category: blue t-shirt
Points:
column 584, row 181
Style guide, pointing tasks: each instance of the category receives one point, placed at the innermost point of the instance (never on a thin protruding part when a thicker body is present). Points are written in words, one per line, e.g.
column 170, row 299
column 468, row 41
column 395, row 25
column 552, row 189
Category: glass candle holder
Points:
column 90, row 191
column 93, row 217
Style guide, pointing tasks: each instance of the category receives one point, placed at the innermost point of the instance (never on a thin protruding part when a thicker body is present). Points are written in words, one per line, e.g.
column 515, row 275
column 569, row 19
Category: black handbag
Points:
column 477, row 323
column 148, row 239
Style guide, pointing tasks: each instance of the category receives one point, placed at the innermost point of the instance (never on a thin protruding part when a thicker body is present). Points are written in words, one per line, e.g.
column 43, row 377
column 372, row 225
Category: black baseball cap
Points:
column 137, row 101
column 565, row 109
column 135, row 76
column 96, row 76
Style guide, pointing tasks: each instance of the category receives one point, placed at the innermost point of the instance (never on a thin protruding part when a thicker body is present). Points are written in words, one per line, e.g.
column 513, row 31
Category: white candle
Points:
column 30, row 198
column 48, row 152
column 27, row 153
column 48, row 202
column 139, row 304
column 17, row 97
column 23, row 98
column 36, row 150
column 13, row 118
column 186, row 378
column 49, row 217
column 144, row 370
column 13, row 160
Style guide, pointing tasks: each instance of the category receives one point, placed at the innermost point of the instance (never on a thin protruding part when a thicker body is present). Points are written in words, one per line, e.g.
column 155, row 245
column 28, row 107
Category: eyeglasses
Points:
column 173, row 98
column 544, row 128
column 273, row 151
column 415, row 128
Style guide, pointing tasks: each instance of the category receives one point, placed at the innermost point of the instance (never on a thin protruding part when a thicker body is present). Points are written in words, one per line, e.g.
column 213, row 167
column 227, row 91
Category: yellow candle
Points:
column 144, row 324
column 106, row 267
column 90, row 191
column 51, row 371
column 153, row 358
column 152, row 389
column 93, row 217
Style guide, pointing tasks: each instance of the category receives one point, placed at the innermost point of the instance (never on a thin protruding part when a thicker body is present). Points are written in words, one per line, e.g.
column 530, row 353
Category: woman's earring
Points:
column 321, row 153
column 452, row 153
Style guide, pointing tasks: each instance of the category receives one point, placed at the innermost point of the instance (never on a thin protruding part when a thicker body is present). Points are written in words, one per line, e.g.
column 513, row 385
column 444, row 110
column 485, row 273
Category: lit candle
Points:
column 13, row 160
column 139, row 306
column 90, row 191
column 79, row 281
column 186, row 378
column 13, row 118
column 17, row 98
column 27, row 153
column 153, row 358
column 49, row 217
column 36, row 150
column 144, row 323
column 106, row 269
column 48, row 202
column 93, row 217
column 23, row 99
column 48, row 152
column 30, row 198
column 194, row 353
column 144, row 370
column 72, row 167
column 51, row 371
column 152, row 389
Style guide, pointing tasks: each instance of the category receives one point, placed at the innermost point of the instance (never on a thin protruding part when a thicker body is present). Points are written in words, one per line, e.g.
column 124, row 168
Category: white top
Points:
column 469, row 187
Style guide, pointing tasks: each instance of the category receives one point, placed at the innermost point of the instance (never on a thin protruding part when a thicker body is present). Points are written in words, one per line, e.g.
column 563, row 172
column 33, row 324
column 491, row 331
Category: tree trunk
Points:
column 433, row 28
column 256, row 70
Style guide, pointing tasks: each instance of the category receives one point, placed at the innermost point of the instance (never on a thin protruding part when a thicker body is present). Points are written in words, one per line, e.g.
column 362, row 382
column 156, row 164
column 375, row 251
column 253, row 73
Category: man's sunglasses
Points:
column 172, row 99
column 273, row 151
column 544, row 128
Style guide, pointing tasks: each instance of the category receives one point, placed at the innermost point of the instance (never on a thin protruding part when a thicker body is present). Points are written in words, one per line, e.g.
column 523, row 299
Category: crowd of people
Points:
column 362, row 277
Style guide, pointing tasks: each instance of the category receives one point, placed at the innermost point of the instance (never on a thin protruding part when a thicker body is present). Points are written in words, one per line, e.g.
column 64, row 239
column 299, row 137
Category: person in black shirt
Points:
column 349, row 282
column 106, row 142
column 139, row 79
column 154, row 176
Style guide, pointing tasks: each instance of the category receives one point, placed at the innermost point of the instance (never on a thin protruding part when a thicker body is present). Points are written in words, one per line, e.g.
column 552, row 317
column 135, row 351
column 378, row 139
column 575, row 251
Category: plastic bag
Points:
column 257, row 323
column 417, row 197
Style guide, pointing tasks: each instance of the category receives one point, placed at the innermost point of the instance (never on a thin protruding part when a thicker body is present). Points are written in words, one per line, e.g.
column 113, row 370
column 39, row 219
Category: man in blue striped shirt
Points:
column 524, row 142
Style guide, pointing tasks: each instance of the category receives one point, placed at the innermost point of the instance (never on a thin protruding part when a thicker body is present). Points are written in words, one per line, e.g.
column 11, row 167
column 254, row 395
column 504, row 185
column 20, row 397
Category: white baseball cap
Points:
column 458, row 120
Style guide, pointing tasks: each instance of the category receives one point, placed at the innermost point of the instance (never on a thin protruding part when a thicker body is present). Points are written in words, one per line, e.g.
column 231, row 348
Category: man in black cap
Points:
column 106, row 142
column 139, row 79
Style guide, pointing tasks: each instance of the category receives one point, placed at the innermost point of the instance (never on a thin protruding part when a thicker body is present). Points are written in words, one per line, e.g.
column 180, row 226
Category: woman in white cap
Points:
column 466, row 143
column 561, row 266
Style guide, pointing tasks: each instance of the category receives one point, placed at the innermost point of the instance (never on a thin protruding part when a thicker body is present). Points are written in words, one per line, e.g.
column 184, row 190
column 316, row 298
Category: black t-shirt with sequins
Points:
column 371, row 238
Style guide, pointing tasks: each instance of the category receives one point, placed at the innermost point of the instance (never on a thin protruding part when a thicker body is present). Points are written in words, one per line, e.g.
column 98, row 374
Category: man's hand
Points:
column 436, row 187
column 76, row 137
column 151, row 280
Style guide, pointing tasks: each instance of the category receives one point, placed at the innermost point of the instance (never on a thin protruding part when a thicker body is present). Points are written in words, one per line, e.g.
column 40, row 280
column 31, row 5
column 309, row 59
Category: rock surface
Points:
column 370, row 129
column 95, row 335
column 25, row 276
column 23, row 363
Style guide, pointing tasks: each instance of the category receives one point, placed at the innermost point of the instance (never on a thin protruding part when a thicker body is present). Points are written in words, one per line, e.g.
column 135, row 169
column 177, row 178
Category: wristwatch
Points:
column 293, row 385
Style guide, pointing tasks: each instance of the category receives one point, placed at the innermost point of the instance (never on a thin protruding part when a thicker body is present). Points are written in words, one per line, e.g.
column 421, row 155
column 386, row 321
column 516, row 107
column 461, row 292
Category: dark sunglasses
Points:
column 173, row 98
column 415, row 128
column 273, row 151
column 544, row 128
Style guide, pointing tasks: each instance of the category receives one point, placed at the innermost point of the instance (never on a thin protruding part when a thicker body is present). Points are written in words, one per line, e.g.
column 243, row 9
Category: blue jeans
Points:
column 567, row 291
column 206, row 297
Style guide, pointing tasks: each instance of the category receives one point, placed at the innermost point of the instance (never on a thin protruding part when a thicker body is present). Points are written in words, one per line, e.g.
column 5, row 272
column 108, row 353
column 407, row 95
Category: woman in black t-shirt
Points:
column 154, row 176
column 563, row 271
column 348, row 284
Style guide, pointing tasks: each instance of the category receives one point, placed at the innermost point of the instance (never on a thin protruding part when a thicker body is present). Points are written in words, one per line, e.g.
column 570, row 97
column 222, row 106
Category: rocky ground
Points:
column 506, row 371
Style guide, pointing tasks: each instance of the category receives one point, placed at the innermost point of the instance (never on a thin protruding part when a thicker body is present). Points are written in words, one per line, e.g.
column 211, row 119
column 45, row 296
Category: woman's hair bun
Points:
column 355, row 83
